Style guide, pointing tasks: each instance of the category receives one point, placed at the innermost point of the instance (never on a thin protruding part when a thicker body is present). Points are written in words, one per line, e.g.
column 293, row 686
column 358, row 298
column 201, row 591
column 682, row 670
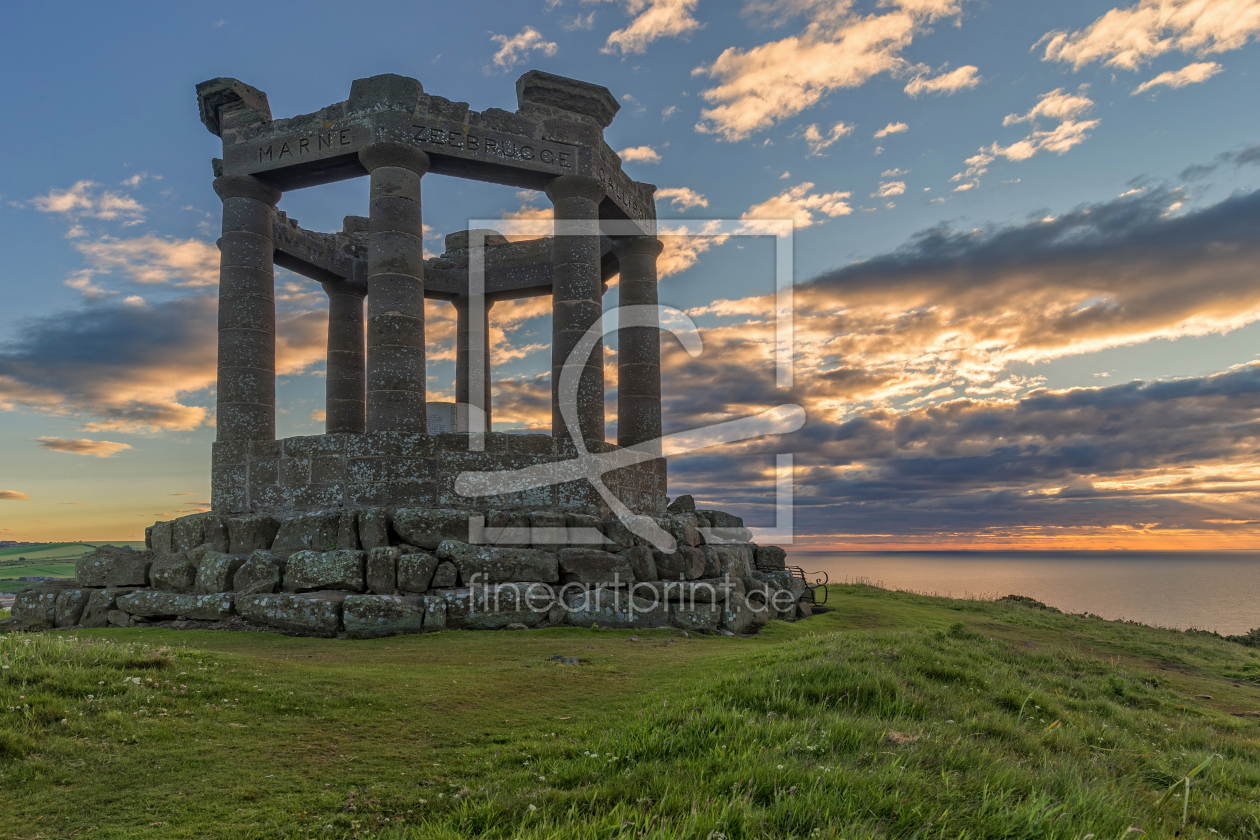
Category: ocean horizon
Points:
column 1204, row 590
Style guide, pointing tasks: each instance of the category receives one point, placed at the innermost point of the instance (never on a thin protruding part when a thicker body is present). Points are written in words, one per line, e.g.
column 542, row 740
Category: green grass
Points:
column 894, row 715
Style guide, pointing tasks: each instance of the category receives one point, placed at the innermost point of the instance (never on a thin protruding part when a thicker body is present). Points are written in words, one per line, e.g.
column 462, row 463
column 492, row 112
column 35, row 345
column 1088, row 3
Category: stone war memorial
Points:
column 395, row 521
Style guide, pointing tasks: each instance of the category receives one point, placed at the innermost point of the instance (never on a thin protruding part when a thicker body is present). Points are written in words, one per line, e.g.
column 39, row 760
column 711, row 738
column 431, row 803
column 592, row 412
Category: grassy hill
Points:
column 893, row 715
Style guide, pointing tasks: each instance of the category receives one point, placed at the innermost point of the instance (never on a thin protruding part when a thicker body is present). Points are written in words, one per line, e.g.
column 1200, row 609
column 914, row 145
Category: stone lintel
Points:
column 324, row 257
column 514, row 270
column 519, row 150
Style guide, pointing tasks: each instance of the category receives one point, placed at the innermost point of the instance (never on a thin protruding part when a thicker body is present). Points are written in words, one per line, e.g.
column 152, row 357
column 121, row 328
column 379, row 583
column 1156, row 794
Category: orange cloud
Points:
column 92, row 448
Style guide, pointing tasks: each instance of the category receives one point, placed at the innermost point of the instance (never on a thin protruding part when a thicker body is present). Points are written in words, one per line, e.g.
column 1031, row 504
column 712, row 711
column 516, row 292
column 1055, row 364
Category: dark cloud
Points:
column 990, row 453
column 1174, row 454
column 130, row 367
column 1242, row 157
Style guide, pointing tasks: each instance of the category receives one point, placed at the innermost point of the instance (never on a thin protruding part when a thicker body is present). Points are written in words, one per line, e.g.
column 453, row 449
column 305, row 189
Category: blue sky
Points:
column 1018, row 118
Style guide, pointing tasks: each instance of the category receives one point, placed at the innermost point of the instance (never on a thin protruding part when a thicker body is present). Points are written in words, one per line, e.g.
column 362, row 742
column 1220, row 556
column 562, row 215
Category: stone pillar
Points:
column 465, row 340
column 576, row 299
column 395, row 331
column 638, row 348
column 345, row 398
column 246, row 391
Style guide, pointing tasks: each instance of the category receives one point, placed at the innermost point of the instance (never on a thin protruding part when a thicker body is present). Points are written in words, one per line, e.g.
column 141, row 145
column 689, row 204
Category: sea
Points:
column 1203, row 590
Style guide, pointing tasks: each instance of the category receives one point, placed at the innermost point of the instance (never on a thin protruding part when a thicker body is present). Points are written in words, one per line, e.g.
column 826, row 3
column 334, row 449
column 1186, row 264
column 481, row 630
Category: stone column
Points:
column 345, row 397
column 576, row 298
column 638, row 348
column 246, row 391
column 465, row 339
column 395, row 331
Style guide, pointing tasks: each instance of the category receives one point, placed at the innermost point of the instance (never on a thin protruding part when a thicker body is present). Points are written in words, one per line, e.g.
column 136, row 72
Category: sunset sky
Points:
column 1027, row 250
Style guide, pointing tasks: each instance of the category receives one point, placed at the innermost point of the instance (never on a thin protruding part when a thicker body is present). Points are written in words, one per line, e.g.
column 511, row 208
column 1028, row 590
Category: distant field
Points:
column 43, row 552
column 53, row 560
column 57, row 551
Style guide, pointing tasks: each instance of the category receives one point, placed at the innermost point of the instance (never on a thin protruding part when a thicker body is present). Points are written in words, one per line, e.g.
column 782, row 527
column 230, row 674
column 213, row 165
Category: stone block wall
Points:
column 381, row 571
column 319, row 472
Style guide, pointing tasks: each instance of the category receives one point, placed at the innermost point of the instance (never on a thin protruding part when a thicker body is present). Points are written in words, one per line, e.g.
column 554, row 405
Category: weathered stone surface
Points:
column 584, row 529
column 641, row 561
column 161, row 538
column 259, row 575
column 590, row 565
column 613, row 608
column 309, row 531
column 110, row 566
column 70, row 606
column 374, row 528
column 150, row 603
column 715, row 559
column 682, row 526
column 216, row 571
column 250, row 533
column 779, row 591
column 720, row 527
column 416, row 572
column 434, row 612
column 571, row 95
column 308, row 571
column 784, row 581
column 682, row 504
column 386, row 91
column 99, row 605
column 741, row 560
column 224, row 97
column 737, row 615
column 705, row 618
column 711, row 591
column 617, row 537
column 428, row 527
column 498, row 564
column 215, row 532
column 804, row 609
column 35, row 608
column 769, row 558
column 117, row 618
column 507, row 527
column 686, row 563
column 446, row 576
column 173, row 573
column 382, row 570
column 308, row 614
column 195, row 554
column 187, row 532
column 495, row 607
column 721, row 519
column 366, row 616
column 726, row 535
column 348, row 531
column 548, row 530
